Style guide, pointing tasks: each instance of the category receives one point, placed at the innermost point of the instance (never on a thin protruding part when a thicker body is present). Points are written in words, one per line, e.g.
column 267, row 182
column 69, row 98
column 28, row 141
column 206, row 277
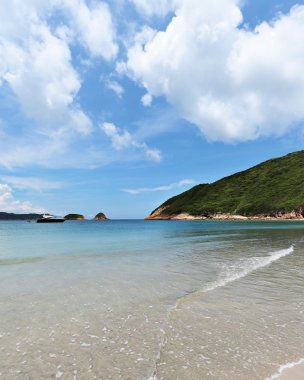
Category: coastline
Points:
column 158, row 215
column 290, row 371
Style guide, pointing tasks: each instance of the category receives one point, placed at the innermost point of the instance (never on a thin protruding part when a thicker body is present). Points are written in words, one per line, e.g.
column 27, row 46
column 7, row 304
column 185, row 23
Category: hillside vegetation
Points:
column 74, row 217
column 12, row 216
column 100, row 216
column 274, row 186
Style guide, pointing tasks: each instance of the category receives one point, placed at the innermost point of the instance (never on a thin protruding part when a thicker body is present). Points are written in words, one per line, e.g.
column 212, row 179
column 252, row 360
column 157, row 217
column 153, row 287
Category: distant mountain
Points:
column 11, row 216
column 272, row 189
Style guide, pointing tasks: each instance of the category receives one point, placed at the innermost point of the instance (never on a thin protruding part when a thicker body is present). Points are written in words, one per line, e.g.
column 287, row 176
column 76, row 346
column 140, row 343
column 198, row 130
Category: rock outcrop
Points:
column 74, row 217
column 101, row 216
column 293, row 215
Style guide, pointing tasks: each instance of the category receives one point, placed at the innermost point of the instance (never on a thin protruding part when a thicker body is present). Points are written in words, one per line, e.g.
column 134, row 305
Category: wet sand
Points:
column 293, row 371
column 296, row 373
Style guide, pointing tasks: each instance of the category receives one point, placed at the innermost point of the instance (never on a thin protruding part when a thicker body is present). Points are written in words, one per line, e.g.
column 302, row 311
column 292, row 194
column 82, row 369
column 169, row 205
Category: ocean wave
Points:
column 228, row 275
column 234, row 272
column 245, row 267
column 284, row 367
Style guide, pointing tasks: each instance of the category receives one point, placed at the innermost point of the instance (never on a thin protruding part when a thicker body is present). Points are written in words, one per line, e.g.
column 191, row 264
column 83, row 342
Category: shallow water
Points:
column 150, row 299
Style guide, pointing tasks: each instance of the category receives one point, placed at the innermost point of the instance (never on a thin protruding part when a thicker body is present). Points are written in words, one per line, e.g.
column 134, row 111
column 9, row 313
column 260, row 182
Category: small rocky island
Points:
column 32, row 216
column 272, row 190
column 74, row 217
column 101, row 216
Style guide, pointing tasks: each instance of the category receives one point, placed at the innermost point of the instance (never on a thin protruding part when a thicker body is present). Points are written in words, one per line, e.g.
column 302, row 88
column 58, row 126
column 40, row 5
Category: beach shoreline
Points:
column 290, row 371
column 126, row 299
column 158, row 215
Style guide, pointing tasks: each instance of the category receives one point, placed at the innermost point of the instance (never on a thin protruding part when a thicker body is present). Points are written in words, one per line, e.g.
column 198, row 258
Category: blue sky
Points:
column 117, row 106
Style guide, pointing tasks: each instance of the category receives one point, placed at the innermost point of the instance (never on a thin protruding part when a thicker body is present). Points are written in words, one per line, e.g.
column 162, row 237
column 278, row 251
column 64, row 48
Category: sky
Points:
column 116, row 106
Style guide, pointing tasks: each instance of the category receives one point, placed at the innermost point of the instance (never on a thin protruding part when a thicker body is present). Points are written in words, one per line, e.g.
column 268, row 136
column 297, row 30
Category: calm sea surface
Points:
column 150, row 300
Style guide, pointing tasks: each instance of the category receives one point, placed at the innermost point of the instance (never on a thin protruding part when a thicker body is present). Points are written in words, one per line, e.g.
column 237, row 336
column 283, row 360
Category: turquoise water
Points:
column 150, row 299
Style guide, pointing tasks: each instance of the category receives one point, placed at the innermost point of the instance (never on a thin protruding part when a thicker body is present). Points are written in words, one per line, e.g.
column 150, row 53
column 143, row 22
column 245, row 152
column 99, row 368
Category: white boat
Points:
column 47, row 218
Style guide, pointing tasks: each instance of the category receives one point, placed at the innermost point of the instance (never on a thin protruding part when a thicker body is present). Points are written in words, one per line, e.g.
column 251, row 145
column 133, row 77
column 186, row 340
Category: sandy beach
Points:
column 296, row 373
column 292, row 371
column 143, row 300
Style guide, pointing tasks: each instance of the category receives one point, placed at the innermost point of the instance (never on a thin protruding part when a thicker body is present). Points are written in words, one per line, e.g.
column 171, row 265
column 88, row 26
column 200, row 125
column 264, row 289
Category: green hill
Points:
column 12, row 216
column 74, row 217
column 272, row 188
column 100, row 216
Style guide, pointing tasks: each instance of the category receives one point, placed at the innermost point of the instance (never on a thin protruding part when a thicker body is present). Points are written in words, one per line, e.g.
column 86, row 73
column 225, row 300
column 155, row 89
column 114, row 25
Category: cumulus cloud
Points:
column 146, row 100
column 37, row 65
column 93, row 27
column 89, row 23
column 36, row 60
column 122, row 139
column 8, row 203
column 44, row 80
column 182, row 183
column 234, row 84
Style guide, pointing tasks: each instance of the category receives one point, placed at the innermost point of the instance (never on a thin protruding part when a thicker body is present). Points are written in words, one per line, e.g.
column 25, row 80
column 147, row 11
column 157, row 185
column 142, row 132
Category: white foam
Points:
column 284, row 367
column 245, row 267
column 85, row 344
column 230, row 274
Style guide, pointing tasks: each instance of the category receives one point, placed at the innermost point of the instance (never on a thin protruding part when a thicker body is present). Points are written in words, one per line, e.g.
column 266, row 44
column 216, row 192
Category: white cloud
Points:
column 122, row 139
column 45, row 82
column 171, row 186
column 233, row 84
column 146, row 100
column 36, row 40
column 119, row 139
column 115, row 87
column 155, row 7
column 9, row 204
column 36, row 60
column 93, row 27
column 152, row 154
column 89, row 23
column 32, row 183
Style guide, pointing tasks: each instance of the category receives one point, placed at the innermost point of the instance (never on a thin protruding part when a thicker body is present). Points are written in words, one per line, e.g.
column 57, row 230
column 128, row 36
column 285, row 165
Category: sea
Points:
column 154, row 300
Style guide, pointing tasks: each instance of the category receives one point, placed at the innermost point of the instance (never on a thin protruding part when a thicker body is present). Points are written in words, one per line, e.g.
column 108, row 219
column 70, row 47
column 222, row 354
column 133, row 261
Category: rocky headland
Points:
column 272, row 190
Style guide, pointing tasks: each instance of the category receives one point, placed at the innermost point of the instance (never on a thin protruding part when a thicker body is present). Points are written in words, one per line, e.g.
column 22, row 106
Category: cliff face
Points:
column 271, row 190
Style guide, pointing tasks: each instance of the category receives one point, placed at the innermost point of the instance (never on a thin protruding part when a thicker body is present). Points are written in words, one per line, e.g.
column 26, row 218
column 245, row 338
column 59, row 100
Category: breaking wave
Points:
column 229, row 274
column 284, row 367
column 245, row 267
